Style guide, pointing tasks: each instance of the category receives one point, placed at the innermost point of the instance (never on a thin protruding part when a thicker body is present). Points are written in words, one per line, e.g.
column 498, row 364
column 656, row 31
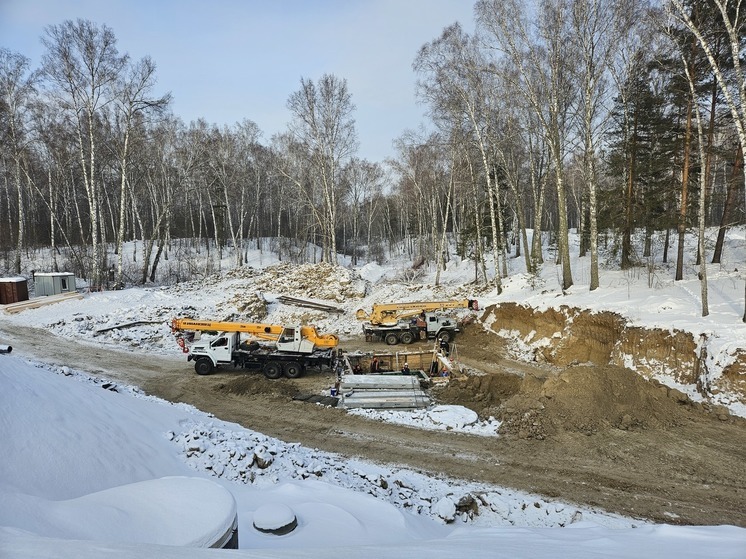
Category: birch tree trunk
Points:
column 702, row 192
column 133, row 100
column 734, row 90
column 541, row 63
column 460, row 92
column 684, row 198
column 443, row 239
column 596, row 23
column 17, row 85
column 52, row 218
column 21, row 215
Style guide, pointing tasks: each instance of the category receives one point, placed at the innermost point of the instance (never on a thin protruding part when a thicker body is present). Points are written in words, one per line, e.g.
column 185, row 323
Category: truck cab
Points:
column 292, row 340
column 218, row 349
column 221, row 348
column 437, row 326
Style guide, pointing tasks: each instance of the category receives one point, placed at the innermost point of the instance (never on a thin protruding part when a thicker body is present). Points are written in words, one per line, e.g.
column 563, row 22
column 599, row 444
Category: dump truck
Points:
column 407, row 323
column 273, row 349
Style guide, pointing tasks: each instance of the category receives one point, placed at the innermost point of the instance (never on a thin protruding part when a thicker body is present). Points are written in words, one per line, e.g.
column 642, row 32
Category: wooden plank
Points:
column 126, row 325
column 287, row 300
column 40, row 302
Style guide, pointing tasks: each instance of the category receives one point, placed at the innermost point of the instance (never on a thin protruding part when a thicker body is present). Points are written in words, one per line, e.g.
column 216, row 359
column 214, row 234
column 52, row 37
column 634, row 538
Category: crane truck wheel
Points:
column 392, row 339
column 203, row 366
column 272, row 370
column 293, row 369
column 406, row 337
column 445, row 336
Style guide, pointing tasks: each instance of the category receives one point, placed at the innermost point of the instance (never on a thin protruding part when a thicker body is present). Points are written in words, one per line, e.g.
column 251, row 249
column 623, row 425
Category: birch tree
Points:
column 322, row 123
column 82, row 65
column 596, row 25
column 365, row 181
column 702, row 190
column 154, row 204
column 456, row 88
column 419, row 165
column 17, row 86
column 133, row 101
column 540, row 56
column 733, row 84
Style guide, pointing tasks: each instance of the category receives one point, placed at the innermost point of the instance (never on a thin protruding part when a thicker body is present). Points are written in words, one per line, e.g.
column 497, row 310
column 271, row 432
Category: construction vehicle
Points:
column 272, row 348
column 409, row 322
column 270, row 332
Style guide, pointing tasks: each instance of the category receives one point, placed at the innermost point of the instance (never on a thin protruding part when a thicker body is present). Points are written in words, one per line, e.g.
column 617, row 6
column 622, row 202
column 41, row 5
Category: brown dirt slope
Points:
column 568, row 336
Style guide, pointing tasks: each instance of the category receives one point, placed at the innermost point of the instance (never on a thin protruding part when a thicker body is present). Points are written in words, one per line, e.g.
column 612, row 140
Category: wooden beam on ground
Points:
column 288, row 300
column 126, row 325
column 36, row 302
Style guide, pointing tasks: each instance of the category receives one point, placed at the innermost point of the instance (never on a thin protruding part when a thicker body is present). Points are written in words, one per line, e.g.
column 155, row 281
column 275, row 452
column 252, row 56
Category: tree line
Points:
column 621, row 119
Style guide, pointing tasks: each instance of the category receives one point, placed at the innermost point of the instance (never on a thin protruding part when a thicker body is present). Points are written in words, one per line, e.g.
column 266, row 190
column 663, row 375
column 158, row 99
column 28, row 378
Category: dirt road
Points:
column 676, row 465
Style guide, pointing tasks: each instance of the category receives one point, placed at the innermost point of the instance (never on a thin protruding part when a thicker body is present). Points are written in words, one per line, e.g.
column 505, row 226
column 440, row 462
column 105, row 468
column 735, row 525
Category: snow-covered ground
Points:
column 69, row 438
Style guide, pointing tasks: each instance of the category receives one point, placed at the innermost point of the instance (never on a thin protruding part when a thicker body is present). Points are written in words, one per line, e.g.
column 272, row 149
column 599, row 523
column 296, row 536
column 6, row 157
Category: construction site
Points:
column 583, row 414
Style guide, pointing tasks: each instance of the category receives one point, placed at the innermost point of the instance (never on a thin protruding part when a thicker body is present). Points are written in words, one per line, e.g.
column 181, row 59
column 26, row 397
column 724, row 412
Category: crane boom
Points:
column 270, row 332
column 391, row 313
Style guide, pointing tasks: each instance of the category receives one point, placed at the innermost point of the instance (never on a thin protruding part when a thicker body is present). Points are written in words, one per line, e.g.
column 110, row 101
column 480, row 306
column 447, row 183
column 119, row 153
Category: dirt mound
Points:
column 482, row 393
column 478, row 344
column 584, row 399
column 248, row 384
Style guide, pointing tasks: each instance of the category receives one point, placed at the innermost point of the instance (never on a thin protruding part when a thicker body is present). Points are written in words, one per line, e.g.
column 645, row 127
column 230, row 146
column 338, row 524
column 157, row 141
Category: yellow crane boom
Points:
column 269, row 332
column 391, row 313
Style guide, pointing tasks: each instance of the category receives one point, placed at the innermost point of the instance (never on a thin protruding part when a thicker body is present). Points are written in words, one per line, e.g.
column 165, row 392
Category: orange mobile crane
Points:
column 272, row 348
column 409, row 322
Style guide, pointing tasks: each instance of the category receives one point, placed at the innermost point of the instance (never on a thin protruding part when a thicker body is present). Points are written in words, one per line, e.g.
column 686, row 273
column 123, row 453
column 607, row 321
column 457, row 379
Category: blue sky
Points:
column 227, row 60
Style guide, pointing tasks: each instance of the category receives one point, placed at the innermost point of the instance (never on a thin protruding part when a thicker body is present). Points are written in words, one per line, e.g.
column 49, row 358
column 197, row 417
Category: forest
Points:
column 618, row 119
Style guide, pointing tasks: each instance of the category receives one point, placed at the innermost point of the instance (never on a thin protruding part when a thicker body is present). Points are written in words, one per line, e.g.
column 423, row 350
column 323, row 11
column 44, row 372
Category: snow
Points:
column 273, row 516
column 91, row 467
column 130, row 513
column 72, row 449
column 435, row 418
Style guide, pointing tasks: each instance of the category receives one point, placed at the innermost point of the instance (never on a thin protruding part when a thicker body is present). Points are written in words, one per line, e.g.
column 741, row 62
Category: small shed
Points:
column 53, row 283
column 13, row 290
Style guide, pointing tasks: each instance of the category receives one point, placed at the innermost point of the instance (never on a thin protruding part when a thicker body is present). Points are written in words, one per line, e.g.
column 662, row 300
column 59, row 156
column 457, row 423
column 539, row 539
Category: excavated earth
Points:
column 577, row 426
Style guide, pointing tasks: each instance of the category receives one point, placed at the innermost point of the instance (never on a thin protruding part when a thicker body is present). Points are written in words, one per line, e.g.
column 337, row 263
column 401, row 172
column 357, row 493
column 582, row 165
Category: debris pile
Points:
column 318, row 281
